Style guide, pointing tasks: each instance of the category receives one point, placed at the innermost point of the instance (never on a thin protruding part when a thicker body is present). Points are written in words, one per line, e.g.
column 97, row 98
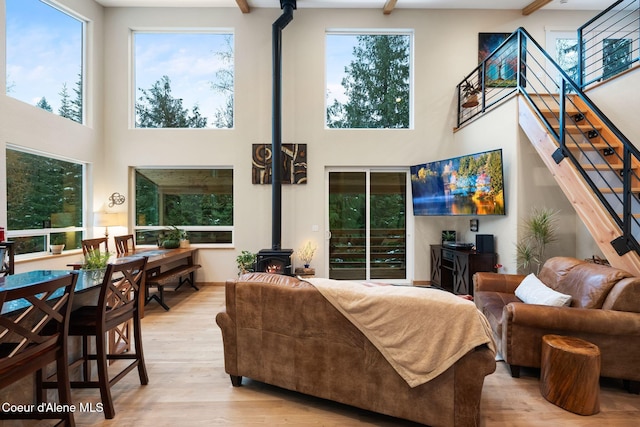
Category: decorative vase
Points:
column 185, row 243
column 94, row 275
column 171, row 244
column 57, row 249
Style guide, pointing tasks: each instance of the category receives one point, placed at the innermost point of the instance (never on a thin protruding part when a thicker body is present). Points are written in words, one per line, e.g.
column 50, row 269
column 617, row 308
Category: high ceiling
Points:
column 371, row 4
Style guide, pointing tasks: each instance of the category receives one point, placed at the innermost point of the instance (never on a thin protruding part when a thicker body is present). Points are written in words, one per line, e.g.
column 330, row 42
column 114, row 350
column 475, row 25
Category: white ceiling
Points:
column 373, row 4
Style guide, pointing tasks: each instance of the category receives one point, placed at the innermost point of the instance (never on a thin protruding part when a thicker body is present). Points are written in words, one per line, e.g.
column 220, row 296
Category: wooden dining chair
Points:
column 33, row 334
column 117, row 303
column 125, row 244
column 89, row 245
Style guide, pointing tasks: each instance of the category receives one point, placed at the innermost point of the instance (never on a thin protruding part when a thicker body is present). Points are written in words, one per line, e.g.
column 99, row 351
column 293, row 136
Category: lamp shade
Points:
column 108, row 219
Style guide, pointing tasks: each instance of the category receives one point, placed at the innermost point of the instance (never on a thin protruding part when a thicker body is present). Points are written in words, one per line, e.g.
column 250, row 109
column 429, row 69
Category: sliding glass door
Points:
column 367, row 213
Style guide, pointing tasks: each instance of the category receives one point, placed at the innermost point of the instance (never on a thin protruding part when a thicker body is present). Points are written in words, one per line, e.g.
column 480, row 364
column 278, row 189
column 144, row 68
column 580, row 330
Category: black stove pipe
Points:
column 276, row 143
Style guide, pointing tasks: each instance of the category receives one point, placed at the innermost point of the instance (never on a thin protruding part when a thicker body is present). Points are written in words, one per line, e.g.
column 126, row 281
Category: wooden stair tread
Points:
column 556, row 113
column 617, row 190
column 633, row 215
column 572, row 128
column 588, row 146
column 602, row 167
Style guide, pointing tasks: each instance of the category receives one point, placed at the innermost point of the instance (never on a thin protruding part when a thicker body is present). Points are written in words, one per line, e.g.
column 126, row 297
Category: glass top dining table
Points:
column 87, row 279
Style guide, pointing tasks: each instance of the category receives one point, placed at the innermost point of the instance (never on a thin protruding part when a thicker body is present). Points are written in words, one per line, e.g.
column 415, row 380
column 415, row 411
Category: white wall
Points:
column 446, row 45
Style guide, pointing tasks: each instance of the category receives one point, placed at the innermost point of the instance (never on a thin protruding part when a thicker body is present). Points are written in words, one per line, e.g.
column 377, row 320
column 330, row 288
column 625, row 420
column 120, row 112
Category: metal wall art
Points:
column 294, row 164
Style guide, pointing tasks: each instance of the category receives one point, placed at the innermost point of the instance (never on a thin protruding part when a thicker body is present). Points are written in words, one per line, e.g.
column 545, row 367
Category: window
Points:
column 368, row 80
column 45, row 57
column 368, row 225
column 183, row 80
column 616, row 56
column 563, row 48
column 44, row 202
column 199, row 201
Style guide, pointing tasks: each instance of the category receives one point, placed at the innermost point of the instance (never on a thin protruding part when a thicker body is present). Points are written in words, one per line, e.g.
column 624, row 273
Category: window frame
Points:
column 47, row 232
column 187, row 228
column 373, row 31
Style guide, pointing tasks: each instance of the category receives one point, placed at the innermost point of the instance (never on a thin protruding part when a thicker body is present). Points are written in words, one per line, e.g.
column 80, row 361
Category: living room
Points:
column 445, row 48
column 111, row 147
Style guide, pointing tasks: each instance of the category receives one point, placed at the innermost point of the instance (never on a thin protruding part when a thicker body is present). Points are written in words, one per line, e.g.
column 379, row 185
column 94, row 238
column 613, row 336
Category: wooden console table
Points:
column 453, row 269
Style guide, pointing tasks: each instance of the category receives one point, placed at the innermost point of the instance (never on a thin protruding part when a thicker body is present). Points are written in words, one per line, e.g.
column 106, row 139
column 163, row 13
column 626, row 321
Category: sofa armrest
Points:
column 571, row 319
column 229, row 338
column 496, row 282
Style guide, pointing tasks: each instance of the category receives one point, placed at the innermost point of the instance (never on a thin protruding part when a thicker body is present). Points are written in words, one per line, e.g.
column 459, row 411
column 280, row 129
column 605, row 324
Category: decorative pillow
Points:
column 532, row 291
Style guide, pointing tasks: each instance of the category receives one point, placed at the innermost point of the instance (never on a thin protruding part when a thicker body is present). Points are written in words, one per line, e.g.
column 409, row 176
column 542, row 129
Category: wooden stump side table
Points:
column 570, row 374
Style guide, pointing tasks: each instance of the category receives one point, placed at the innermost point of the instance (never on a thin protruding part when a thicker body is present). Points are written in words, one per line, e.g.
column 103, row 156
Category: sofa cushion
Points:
column 532, row 291
column 556, row 269
column 589, row 284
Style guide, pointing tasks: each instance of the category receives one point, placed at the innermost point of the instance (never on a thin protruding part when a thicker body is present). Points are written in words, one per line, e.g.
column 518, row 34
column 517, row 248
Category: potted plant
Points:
column 57, row 243
column 246, row 262
column 184, row 239
column 540, row 230
column 306, row 253
column 469, row 94
column 171, row 237
column 448, row 236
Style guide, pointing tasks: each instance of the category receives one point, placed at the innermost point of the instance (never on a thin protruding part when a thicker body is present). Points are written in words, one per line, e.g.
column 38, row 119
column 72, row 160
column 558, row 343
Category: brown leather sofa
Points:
column 281, row 330
column 604, row 310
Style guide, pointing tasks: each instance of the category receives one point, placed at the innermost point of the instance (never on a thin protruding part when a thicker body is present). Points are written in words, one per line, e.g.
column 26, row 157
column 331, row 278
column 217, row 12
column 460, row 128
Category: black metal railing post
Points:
column 626, row 191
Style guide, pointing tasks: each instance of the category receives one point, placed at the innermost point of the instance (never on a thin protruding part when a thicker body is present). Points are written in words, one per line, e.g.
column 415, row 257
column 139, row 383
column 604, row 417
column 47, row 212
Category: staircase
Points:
column 600, row 168
column 595, row 165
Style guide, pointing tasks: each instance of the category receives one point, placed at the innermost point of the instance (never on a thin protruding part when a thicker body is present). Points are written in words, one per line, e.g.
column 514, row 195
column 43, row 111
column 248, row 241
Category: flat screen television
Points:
column 467, row 185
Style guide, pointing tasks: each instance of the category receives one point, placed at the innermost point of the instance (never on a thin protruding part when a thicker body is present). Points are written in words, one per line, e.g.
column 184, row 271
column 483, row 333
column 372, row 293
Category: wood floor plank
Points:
column 188, row 387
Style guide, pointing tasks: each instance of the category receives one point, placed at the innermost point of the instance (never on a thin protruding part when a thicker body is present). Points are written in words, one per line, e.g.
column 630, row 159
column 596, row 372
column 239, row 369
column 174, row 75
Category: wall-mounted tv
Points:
column 466, row 185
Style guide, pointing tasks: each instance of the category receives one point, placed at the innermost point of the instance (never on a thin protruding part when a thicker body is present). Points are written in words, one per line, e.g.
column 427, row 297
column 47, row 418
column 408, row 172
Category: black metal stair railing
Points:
column 609, row 43
column 605, row 158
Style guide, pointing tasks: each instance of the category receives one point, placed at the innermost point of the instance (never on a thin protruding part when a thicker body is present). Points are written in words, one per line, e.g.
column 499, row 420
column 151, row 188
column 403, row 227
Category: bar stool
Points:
column 117, row 303
column 26, row 346
column 124, row 244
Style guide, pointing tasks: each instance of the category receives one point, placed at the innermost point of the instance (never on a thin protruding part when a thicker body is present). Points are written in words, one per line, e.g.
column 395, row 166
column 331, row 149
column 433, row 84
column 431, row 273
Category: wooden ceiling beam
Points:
column 388, row 7
column 243, row 5
column 534, row 5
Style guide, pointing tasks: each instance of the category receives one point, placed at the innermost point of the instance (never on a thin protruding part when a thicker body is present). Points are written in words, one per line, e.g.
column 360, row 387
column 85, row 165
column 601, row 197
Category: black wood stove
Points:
column 277, row 260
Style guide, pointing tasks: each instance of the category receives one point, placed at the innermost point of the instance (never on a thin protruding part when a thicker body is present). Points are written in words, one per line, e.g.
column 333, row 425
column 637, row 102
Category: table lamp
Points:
column 108, row 219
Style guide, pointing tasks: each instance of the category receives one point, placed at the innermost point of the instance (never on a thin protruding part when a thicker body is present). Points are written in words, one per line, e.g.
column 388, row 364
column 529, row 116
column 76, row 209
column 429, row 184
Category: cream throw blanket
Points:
column 420, row 331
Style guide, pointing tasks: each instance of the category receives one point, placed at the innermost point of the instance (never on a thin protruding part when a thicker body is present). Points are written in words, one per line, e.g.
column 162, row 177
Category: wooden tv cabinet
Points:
column 453, row 269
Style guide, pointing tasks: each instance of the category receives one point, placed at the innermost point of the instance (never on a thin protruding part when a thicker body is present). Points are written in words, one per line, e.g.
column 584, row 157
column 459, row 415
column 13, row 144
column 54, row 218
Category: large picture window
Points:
column 199, row 201
column 368, row 80
column 183, row 80
column 45, row 57
column 44, row 202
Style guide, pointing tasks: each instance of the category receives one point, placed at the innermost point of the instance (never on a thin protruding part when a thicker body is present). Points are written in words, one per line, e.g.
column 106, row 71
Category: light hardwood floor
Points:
column 188, row 385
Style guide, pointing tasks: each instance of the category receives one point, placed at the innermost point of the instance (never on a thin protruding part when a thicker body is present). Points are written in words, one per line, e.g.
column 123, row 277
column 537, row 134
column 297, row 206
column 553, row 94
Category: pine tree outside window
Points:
column 183, row 79
column 44, row 202
column 368, row 79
